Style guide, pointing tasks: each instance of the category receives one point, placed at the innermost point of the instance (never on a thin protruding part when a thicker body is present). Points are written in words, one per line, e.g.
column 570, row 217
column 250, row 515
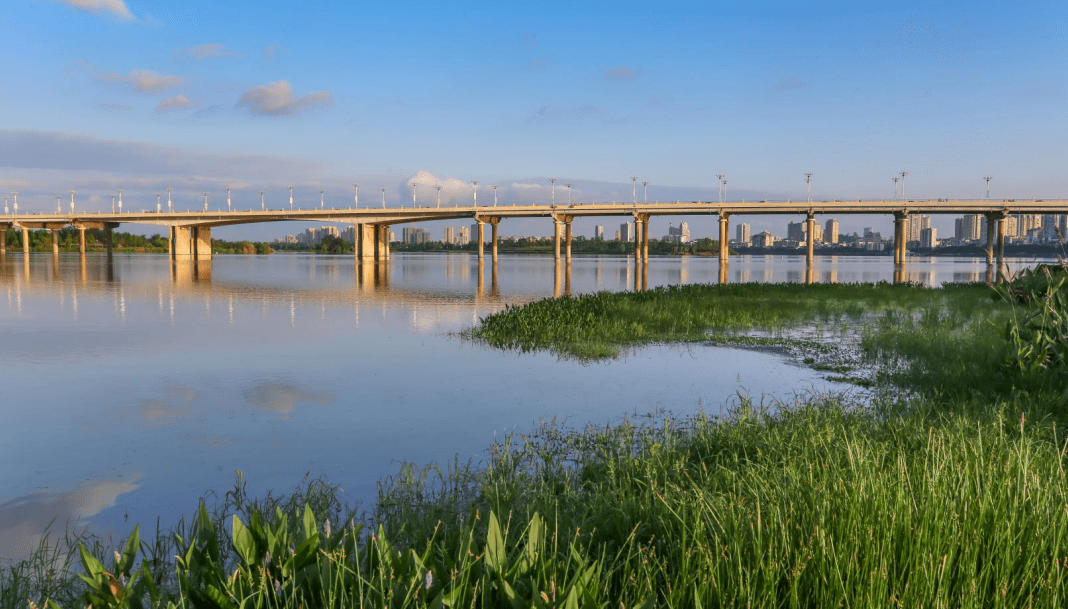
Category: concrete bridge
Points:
column 189, row 232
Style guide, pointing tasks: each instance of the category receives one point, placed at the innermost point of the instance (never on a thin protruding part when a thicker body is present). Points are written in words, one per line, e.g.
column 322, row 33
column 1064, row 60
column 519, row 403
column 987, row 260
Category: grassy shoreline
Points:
column 948, row 489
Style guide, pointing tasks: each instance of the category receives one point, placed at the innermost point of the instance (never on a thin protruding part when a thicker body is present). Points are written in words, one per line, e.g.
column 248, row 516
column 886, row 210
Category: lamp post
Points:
column 383, row 197
column 120, row 201
column 895, row 179
column 15, row 199
column 263, row 200
column 724, row 197
column 568, row 192
column 290, row 197
column 6, row 210
column 228, row 208
column 169, row 191
column 988, row 178
column 719, row 179
column 808, row 186
column 322, row 199
column 72, row 201
column 112, row 203
column 553, row 181
column 159, row 203
column 474, row 191
column 205, row 202
column 494, row 187
column 645, row 190
column 59, row 208
column 438, row 186
column 412, row 184
column 633, row 189
column 903, row 174
column 356, row 199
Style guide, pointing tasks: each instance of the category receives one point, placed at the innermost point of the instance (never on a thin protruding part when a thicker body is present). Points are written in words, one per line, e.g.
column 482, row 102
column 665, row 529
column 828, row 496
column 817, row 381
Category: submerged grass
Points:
column 951, row 493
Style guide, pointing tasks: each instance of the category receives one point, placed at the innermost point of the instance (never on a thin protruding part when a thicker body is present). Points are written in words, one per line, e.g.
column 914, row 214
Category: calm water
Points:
column 128, row 390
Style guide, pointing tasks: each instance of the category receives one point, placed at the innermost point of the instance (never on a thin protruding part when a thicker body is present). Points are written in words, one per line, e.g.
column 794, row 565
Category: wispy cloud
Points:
column 178, row 102
column 277, row 99
column 621, row 73
column 144, row 81
column 273, row 51
column 115, row 7
column 210, row 50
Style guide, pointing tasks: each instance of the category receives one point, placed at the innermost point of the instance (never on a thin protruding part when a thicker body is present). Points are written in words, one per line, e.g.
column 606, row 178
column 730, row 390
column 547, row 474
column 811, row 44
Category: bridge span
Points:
column 189, row 232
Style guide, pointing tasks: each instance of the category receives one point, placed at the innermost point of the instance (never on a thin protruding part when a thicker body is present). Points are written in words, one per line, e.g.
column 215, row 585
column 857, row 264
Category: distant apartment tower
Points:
column 619, row 236
column 929, row 238
column 598, row 232
column 464, row 236
column 626, row 232
column 764, row 239
column 743, row 235
column 415, row 236
column 450, row 235
column 914, row 226
column 1055, row 228
column 830, row 234
column 795, row 231
column 968, row 228
column 680, row 234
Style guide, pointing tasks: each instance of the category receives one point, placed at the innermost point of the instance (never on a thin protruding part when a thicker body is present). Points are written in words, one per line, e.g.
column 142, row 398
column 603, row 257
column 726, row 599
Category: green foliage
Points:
column 1037, row 331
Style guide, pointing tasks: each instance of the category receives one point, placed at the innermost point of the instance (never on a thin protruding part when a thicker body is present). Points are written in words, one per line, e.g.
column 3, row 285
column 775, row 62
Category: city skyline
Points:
column 106, row 95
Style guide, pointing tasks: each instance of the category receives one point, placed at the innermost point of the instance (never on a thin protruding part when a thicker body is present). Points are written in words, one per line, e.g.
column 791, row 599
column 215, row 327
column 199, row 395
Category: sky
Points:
column 144, row 95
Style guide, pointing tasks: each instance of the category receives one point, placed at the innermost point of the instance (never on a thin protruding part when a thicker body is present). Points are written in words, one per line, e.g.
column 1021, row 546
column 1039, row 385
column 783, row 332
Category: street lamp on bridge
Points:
column 322, row 199
column 903, row 174
column 159, row 203
column 383, row 197
column 169, row 191
column 72, row 201
column 723, row 197
column 895, row 179
column 205, row 203
column 988, row 178
column 228, row 197
column 474, row 191
column 633, row 189
column 568, row 192
column 120, row 202
column 494, row 187
column 412, row 184
column 553, row 182
column 6, row 210
column 15, row 198
column 719, row 184
column 438, row 186
column 263, row 200
column 59, row 208
column 808, row 186
column 290, row 197
column 645, row 190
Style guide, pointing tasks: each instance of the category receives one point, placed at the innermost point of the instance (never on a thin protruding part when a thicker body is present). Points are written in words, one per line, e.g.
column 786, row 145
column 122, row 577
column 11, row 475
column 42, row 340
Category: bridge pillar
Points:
column 493, row 229
column 365, row 246
column 724, row 230
column 55, row 241
column 1001, row 243
column 810, row 239
column 182, row 247
column 25, row 242
column 108, row 241
column 481, row 236
column 637, row 242
column 203, row 242
column 81, row 241
column 556, row 238
column 645, row 239
column 381, row 242
column 991, row 229
column 567, row 240
column 900, row 234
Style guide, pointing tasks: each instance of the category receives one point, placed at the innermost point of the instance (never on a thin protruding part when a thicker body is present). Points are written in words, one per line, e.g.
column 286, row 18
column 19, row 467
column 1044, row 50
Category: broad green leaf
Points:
column 309, row 522
column 495, row 550
column 129, row 552
column 243, row 542
column 92, row 566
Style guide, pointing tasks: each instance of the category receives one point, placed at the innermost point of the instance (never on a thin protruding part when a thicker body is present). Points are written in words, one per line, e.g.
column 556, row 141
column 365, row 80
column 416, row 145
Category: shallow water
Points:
column 127, row 390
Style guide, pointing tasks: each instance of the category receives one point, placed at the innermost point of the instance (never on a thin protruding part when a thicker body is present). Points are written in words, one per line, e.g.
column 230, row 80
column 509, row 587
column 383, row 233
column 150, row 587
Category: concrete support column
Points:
column 899, row 237
column 724, row 231
column 991, row 229
column 567, row 237
column 170, row 242
column 645, row 239
column 55, row 241
column 202, row 242
column 1001, row 243
column 556, row 238
column 81, row 241
column 481, row 239
column 381, row 242
column 183, row 242
column 810, row 239
column 365, row 242
column 637, row 242
column 108, row 241
column 493, row 230
column 25, row 242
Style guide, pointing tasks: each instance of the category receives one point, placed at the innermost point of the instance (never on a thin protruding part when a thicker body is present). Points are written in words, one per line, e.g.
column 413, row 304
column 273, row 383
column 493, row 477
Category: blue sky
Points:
column 99, row 95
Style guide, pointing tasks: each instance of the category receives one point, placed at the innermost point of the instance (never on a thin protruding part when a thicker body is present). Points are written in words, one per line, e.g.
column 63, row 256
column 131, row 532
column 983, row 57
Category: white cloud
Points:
column 178, row 102
column 211, row 50
column 621, row 73
column 277, row 99
column 115, row 7
column 273, row 51
column 144, row 81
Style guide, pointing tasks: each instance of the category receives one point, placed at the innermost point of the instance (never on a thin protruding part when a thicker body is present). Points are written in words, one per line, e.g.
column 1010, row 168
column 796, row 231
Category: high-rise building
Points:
column 626, row 232
column 743, row 234
column 464, row 237
column 764, row 239
column 929, row 238
column 598, row 232
column 830, row 234
column 914, row 226
column 795, row 231
column 968, row 228
column 680, row 234
column 450, row 235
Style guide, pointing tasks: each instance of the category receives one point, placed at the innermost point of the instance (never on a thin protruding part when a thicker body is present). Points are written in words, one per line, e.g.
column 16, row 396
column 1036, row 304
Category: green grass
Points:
column 948, row 492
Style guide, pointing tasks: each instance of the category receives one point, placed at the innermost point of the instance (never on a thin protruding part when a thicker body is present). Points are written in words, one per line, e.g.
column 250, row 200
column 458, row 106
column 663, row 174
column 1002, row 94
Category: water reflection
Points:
column 283, row 398
column 24, row 520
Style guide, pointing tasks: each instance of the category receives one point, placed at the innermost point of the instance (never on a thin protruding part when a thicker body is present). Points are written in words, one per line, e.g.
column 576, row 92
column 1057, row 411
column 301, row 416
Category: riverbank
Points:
column 948, row 488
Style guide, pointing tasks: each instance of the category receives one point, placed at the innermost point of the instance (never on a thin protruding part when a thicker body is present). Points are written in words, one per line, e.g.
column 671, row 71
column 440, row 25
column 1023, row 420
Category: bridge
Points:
column 189, row 232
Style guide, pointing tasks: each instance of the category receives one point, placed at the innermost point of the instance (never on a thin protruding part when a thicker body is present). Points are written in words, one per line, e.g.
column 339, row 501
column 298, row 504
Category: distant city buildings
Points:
column 678, row 235
column 626, row 232
column 598, row 232
column 830, row 233
column 742, row 233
